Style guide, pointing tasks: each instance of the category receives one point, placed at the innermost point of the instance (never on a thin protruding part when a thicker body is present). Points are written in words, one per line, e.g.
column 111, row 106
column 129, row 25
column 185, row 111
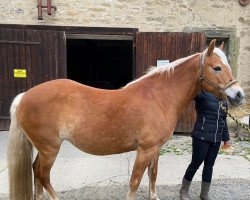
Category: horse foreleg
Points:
column 143, row 158
column 42, row 169
column 152, row 175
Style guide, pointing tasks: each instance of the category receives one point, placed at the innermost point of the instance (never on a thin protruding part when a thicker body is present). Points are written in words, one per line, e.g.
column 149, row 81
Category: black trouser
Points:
column 202, row 151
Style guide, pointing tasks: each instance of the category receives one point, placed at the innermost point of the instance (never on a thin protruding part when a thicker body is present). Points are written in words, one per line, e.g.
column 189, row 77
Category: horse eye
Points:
column 217, row 68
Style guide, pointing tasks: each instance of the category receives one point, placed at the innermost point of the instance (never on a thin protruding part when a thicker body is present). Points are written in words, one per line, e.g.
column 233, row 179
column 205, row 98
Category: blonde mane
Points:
column 167, row 69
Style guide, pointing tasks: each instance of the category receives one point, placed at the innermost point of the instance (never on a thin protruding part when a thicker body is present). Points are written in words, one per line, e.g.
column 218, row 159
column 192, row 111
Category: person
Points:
column 209, row 130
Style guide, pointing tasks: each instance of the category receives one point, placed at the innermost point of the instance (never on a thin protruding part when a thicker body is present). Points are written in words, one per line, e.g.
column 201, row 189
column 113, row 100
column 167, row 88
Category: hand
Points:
column 226, row 144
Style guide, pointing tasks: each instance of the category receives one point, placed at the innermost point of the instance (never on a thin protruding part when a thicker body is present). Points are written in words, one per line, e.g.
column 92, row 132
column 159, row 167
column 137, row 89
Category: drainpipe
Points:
column 40, row 14
column 40, row 7
column 49, row 7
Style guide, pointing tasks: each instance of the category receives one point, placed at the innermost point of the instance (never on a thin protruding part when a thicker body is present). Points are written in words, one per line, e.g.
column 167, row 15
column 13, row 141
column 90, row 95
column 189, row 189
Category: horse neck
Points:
column 179, row 88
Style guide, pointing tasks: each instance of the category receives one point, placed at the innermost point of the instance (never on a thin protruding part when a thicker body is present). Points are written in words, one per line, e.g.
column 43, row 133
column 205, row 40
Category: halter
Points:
column 203, row 78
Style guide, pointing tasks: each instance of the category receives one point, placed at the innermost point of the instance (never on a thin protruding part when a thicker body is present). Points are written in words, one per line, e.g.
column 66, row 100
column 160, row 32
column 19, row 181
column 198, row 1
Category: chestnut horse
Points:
column 140, row 116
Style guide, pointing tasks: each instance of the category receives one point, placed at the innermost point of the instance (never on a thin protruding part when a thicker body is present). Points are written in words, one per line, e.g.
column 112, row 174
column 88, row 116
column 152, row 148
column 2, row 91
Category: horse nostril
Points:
column 239, row 96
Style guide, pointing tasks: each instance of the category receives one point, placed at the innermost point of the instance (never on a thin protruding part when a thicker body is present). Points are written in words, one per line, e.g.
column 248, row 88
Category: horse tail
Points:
column 20, row 156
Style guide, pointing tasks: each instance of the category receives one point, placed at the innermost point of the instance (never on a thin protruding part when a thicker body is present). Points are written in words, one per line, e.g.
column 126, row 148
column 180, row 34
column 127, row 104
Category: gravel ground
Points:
column 239, row 190
column 230, row 189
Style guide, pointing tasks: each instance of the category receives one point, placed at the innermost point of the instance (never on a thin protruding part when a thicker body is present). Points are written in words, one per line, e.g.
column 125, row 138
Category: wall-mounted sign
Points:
column 162, row 62
column 20, row 73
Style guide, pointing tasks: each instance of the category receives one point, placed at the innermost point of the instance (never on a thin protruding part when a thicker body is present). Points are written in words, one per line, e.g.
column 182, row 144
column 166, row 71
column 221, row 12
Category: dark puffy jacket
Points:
column 211, row 123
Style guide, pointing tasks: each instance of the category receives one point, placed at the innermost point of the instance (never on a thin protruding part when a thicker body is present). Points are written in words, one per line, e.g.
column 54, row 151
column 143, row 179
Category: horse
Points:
column 140, row 116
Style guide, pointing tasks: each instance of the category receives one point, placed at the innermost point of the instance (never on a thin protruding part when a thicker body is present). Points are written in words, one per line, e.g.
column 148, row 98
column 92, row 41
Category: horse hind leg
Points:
column 143, row 159
column 38, row 186
column 152, row 174
column 42, row 167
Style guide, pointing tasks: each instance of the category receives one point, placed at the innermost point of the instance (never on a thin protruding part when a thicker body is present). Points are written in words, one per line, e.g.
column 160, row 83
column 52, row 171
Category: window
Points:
column 218, row 43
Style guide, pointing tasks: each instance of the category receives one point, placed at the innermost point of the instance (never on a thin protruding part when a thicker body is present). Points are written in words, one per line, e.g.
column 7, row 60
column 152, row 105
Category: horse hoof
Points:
column 154, row 198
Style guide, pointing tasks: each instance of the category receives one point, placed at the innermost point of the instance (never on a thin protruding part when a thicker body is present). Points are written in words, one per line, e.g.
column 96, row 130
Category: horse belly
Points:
column 103, row 144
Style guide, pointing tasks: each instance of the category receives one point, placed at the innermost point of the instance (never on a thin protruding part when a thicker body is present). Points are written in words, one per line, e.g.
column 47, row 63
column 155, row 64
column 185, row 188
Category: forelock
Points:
column 222, row 56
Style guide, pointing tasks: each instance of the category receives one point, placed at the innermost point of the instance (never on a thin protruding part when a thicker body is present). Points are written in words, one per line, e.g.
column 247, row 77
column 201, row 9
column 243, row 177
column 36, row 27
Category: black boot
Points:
column 205, row 186
column 184, row 189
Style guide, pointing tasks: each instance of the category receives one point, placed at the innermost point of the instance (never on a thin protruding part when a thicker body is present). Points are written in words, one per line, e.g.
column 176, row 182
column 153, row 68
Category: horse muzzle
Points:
column 235, row 95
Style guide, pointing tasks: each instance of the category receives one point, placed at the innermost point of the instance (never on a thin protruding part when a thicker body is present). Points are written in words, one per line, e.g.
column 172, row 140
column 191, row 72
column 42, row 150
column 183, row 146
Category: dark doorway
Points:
column 100, row 63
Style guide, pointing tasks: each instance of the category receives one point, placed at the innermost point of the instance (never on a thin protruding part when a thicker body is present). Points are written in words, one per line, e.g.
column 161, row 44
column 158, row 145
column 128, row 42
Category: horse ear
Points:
column 211, row 47
column 221, row 46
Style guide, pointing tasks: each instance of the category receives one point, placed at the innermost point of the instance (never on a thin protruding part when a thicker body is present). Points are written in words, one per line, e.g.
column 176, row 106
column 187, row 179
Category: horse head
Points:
column 216, row 75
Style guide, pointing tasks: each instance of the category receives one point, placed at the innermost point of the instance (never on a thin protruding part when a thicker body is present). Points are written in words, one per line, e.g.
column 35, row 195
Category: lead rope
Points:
column 244, row 126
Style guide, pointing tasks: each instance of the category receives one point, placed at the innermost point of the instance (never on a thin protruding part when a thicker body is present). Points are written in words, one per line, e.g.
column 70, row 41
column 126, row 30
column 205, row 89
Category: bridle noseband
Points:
column 203, row 78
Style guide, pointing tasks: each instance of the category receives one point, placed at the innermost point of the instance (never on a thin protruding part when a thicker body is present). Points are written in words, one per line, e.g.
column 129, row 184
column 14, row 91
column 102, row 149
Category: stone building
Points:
column 226, row 20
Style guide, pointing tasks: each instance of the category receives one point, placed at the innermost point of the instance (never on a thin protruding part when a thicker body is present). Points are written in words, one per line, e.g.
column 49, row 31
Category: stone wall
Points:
column 147, row 15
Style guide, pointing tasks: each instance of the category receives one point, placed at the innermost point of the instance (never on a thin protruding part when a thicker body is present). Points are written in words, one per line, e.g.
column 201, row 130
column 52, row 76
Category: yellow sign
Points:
column 20, row 73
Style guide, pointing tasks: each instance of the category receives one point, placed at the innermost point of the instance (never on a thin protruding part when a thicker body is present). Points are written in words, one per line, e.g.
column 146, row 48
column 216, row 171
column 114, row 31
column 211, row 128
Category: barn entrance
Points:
column 100, row 62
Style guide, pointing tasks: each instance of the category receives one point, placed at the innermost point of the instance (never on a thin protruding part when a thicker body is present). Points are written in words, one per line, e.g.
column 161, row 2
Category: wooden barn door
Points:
column 27, row 58
column 151, row 47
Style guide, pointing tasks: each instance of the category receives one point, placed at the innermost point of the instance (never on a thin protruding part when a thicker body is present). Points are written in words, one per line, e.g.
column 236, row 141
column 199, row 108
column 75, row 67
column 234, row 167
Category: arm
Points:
column 225, row 133
column 226, row 137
